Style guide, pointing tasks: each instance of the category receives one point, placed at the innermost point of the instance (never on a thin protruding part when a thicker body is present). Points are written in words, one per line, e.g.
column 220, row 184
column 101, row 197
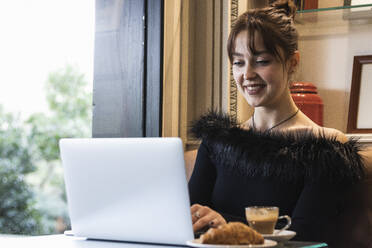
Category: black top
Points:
column 304, row 175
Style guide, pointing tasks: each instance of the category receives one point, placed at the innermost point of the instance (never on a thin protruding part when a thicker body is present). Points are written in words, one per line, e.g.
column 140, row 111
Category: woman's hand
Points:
column 203, row 216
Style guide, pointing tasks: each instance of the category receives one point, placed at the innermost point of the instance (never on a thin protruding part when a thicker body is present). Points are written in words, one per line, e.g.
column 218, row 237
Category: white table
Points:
column 62, row 241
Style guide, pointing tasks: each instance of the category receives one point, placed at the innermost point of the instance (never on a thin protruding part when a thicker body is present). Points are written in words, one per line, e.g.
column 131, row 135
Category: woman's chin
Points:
column 253, row 102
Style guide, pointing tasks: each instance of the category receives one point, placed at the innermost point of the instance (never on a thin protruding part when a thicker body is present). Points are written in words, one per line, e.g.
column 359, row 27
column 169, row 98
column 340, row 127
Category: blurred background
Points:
column 46, row 64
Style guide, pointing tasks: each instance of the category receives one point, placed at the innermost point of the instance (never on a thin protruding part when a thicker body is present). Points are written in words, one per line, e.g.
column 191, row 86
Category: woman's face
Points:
column 261, row 78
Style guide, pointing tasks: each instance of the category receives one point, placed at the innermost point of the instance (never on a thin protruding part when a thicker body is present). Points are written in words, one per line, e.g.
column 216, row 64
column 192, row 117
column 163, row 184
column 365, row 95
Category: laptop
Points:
column 127, row 189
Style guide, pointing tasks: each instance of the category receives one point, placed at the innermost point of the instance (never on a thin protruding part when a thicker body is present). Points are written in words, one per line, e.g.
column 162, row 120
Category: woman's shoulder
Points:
column 219, row 125
column 277, row 152
column 332, row 132
column 304, row 124
column 318, row 131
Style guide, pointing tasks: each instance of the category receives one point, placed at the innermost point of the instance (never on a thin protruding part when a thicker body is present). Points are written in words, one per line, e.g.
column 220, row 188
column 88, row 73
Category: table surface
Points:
column 59, row 241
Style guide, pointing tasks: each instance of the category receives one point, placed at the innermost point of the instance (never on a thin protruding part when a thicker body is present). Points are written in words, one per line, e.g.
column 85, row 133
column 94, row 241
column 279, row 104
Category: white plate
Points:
column 196, row 243
column 281, row 236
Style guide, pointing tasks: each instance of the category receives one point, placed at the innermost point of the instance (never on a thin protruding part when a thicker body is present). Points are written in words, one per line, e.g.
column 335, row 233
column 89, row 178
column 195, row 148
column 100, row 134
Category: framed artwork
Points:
column 360, row 106
column 356, row 2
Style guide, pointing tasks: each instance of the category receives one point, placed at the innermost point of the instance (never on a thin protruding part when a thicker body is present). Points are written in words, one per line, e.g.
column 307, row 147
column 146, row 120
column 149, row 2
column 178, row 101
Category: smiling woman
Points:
column 256, row 71
column 278, row 157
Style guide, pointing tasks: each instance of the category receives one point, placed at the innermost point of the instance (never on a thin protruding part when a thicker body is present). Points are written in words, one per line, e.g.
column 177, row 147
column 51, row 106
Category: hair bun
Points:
column 285, row 5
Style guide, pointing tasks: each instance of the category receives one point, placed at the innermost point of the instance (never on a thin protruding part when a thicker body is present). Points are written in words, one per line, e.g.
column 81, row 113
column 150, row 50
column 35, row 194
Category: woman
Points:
column 279, row 157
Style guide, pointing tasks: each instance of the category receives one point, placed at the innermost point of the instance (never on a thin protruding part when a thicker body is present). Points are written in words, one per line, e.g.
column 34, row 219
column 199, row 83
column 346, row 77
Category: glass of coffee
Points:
column 263, row 219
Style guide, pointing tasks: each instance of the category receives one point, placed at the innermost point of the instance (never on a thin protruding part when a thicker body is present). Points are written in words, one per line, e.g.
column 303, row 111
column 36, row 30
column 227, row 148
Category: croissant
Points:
column 232, row 233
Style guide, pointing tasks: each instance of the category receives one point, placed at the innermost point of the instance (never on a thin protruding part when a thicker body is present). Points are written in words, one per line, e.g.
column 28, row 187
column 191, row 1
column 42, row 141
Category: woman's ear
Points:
column 294, row 61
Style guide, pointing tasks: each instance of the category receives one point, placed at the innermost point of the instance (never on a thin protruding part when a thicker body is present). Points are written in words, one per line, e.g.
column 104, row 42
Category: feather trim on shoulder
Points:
column 291, row 156
column 212, row 124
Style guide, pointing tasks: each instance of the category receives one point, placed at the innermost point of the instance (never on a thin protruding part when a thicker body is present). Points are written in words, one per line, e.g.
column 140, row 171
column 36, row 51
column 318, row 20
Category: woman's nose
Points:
column 249, row 73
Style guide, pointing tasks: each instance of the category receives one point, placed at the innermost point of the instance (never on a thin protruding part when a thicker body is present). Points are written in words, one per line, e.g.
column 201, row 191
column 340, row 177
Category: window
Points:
column 46, row 86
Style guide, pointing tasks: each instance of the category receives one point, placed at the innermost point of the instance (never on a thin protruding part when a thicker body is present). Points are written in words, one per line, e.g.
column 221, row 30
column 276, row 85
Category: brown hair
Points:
column 274, row 23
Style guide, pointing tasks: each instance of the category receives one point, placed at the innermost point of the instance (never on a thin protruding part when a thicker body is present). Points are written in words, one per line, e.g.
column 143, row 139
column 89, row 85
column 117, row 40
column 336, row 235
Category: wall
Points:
column 330, row 3
column 328, row 44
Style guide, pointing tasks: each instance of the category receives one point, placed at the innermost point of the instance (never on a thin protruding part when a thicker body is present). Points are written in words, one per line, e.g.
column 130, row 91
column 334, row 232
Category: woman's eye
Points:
column 262, row 62
column 238, row 63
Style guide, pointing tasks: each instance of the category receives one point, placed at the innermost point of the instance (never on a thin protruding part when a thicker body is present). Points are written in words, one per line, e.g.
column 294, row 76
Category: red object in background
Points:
column 308, row 101
column 311, row 4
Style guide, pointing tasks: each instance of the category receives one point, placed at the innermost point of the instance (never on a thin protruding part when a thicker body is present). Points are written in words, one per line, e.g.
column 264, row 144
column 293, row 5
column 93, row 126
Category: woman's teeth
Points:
column 254, row 89
column 255, row 86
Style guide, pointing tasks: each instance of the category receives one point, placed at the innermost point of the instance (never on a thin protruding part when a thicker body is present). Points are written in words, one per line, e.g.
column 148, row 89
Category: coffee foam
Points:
column 257, row 217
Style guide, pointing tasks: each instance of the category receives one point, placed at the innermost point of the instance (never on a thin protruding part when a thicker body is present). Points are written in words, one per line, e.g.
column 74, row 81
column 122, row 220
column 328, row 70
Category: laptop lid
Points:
column 128, row 189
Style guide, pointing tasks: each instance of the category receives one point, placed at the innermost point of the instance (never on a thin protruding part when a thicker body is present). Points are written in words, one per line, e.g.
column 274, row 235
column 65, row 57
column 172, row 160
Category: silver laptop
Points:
column 127, row 189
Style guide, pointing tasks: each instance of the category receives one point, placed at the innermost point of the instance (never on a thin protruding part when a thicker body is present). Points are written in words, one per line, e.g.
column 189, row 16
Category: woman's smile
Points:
column 253, row 89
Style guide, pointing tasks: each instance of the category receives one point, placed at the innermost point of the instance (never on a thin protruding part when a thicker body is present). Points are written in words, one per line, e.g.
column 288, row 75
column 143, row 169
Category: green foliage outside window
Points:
column 17, row 214
column 32, row 195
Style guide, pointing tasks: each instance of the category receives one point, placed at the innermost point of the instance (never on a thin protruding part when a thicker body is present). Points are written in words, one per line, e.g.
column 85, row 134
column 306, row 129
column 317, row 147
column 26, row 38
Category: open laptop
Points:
column 127, row 189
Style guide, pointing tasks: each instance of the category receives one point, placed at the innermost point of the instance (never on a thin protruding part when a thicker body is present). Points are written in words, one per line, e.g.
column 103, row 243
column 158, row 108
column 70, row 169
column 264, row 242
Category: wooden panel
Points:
column 217, row 54
column 194, row 63
column 186, row 90
column 154, row 67
column 171, row 69
column 233, row 91
column 202, row 47
column 243, row 110
column 118, row 94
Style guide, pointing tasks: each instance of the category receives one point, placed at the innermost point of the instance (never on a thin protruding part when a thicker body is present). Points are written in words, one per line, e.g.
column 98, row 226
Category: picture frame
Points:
column 356, row 2
column 360, row 117
column 347, row 2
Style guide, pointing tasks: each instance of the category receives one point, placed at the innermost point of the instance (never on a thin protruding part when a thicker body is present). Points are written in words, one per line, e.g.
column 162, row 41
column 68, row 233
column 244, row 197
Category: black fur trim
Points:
column 291, row 156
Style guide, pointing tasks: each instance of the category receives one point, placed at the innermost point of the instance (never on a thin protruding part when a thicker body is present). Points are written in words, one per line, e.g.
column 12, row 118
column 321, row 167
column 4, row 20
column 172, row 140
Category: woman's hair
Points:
column 274, row 23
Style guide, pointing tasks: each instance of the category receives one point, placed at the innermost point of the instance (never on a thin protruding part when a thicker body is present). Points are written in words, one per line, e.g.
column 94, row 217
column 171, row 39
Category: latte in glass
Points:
column 262, row 219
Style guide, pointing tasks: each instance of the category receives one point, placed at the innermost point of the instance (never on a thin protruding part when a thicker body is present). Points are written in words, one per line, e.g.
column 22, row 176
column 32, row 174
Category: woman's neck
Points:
column 267, row 117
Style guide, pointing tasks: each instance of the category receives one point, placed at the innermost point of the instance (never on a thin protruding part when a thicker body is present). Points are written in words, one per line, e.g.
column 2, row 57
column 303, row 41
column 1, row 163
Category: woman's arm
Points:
column 203, row 178
column 201, row 186
column 318, row 205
